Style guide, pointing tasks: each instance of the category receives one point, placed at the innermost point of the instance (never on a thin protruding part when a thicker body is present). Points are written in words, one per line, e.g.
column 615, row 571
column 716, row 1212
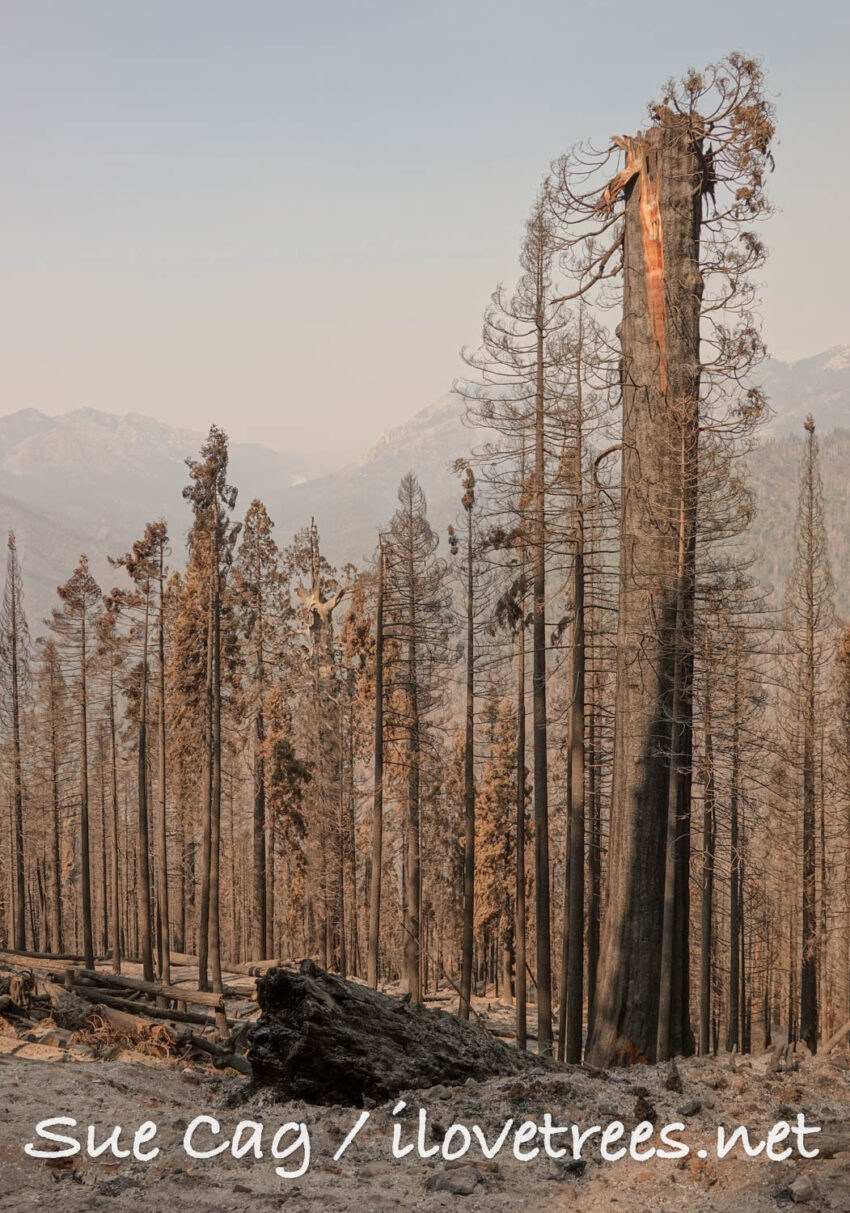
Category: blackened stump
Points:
column 327, row 1040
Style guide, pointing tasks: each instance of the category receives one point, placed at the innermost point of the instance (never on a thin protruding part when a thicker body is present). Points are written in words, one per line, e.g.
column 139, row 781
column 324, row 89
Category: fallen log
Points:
column 327, row 1040
column 93, row 994
column 20, row 958
column 201, row 998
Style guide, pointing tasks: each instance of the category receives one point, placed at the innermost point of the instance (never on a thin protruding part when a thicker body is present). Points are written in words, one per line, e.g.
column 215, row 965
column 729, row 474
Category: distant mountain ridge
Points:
column 819, row 385
column 89, row 481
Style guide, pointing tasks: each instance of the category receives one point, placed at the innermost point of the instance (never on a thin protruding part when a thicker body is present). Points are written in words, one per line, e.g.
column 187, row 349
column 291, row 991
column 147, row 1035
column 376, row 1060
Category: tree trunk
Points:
column 808, row 942
column 659, row 336
column 707, row 895
column 465, row 999
column 162, row 857
column 594, row 914
column 114, row 866
column 18, row 841
column 144, row 888
column 259, row 881
column 206, row 821
column 378, row 786
column 519, row 904
column 733, row 1034
column 58, row 940
column 665, row 984
column 85, row 870
column 574, row 993
column 215, row 798
column 538, row 699
column 411, row 851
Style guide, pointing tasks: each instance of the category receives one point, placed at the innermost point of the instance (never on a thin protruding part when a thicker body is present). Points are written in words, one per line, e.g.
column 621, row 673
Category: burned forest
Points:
column 560, row 791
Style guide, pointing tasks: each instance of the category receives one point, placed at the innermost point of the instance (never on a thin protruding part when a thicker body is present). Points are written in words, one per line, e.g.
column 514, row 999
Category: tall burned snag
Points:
column 468, row 502
column 809, row 615
column 14, row 667
column 709, row 141
column 258, row 585
column 377, row 781
column 211, row 542
column 72, row 626
column 416, row 623
column 320, row 599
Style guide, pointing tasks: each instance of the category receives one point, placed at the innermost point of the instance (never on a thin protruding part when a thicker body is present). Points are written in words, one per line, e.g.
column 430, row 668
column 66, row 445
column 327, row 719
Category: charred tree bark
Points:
column 574, row 993
column 519, row 904
column 331, row 1041
column 85, row 867
column 594, row 864
column 539, row 720
column 707, row 896
column 53, row 709
column 144, row 889
column 13, row 643
column 659, row 337
column 162, row 849
column 114, row 865
column 465, row 1000
column 378, row 793
column 808, row 942
column 206, row 823
column 733, row 1033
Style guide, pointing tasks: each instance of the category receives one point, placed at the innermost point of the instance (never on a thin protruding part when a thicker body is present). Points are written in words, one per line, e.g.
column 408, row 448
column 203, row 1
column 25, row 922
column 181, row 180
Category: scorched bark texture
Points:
column 663, row 182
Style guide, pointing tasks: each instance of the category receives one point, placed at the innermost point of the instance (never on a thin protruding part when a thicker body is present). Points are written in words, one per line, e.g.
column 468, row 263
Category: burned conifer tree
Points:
column 710, row 136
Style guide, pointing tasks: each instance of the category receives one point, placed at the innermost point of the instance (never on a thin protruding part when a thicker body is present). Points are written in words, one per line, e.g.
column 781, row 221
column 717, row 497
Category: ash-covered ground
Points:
column 699, row 1094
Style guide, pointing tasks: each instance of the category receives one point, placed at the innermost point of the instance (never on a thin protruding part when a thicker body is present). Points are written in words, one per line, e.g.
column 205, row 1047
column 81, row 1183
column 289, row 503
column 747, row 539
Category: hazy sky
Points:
column 288, row 217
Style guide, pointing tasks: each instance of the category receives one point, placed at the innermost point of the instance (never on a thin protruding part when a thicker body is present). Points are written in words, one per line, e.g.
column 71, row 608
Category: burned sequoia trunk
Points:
column 663, row 180
column 332, row 1041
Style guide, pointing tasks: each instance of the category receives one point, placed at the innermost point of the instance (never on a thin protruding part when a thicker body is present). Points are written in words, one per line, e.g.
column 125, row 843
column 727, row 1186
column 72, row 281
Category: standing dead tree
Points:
column 14, row 666
column 679, row 210
column 326, row 738
column 809, row 616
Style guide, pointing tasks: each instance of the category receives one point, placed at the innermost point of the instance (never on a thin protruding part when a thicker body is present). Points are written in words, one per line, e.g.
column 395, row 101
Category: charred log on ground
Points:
column 327, row 1040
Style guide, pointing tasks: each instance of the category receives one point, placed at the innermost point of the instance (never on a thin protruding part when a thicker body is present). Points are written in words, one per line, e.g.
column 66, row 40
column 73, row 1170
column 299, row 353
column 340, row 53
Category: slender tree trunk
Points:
column 104, row 880
column 259, row 914
column 519, row 903
column 58, row 939
column 85, row 869
column 464, row 1003
column 206, row 826
column 665, row 991
column 144, row 889
column 594, row 865
column 18, row 851
column 215, row 821
column 411, row 871
column 538, row 698
column 271, row 882
column 378, row 786
column 574, row 993
column 733, row 1036
column 114, row 867
column 342, row 907
column 162, row 869
column 808, row 943
column 708, row 845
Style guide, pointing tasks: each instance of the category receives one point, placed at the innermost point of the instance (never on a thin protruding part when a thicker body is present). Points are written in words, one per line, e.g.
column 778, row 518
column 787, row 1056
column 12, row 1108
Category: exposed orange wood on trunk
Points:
column 638, row 165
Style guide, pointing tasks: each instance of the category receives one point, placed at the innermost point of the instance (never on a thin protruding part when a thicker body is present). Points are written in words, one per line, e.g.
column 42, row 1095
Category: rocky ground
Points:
column 699, row 1093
